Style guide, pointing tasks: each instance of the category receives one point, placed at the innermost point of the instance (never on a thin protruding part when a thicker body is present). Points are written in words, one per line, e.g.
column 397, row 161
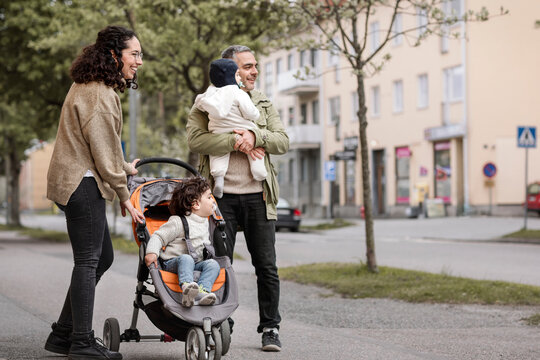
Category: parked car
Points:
column 533, row 197
column 287, row 216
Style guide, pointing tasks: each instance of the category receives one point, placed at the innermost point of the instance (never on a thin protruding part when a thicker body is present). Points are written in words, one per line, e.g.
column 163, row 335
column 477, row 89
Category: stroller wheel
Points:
column 111, row 334
column 195, row 344
column 225, row 330
column 198, row 348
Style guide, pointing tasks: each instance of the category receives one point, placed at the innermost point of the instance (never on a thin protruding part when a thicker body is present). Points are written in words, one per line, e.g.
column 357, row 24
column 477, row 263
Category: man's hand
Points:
column 136, row 215
column 150, row 258
column 245, row 142
column 257, row 153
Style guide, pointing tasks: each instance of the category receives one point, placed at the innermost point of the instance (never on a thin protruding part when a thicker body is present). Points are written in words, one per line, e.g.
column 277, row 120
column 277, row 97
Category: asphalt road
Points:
column 316, row 325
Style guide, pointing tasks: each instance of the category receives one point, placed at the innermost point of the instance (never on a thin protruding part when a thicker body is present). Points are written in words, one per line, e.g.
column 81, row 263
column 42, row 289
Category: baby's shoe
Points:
column 189, row 292
column 219, row 182
column 205, row 298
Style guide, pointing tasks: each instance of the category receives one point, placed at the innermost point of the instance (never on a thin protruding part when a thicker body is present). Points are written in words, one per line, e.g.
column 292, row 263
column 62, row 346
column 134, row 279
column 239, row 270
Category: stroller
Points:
column 204, row 329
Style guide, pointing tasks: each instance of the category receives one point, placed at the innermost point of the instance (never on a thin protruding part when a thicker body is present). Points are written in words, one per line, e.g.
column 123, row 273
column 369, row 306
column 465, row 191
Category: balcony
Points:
column 305, row 136
column 297, row 82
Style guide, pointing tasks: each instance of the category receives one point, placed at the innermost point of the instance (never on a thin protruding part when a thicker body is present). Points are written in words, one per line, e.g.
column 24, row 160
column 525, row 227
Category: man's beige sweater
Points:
column 88, row 138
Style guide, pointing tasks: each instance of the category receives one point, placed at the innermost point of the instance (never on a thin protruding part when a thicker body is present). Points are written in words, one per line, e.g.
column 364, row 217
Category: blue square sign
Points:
column 526, row 136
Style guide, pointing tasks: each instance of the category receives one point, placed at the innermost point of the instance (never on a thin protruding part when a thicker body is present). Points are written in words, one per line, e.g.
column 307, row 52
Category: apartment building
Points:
column 438, row 115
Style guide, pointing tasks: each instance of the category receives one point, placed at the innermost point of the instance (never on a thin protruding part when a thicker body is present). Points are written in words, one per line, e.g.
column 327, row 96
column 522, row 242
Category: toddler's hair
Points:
column 186, row 193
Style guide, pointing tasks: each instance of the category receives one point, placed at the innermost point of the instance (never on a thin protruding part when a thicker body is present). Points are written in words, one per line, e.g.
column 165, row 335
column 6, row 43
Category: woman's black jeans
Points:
column 92, row 254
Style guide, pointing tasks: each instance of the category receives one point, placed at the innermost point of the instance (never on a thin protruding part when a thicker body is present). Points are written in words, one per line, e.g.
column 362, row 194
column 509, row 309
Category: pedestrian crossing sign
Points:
column 526, row 136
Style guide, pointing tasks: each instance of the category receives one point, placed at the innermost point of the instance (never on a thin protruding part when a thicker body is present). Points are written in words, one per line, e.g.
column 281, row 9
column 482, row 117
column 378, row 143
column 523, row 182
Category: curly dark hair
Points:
column 186, row 193
column 96, row 62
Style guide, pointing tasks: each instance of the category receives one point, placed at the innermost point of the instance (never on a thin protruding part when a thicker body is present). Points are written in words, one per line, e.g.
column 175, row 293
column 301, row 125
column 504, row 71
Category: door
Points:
column 379, row 182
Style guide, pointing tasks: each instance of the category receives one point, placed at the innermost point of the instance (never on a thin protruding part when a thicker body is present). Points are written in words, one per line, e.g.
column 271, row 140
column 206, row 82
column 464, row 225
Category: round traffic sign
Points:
column 490, row 170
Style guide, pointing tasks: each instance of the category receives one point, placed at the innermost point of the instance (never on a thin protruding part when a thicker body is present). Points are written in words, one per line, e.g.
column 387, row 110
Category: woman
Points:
column 87, row 168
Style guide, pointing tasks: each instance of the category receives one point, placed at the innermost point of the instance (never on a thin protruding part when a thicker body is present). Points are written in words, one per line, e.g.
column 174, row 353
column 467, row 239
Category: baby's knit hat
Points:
column 222, row 72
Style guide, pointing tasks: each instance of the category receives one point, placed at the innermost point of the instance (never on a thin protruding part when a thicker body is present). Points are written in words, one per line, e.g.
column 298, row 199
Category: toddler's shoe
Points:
column 189, row 292
column 205, row 298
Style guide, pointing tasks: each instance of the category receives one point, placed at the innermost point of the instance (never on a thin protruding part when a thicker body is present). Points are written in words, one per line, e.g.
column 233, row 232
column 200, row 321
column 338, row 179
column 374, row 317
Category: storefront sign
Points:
column 444, row 132
column 350, row 143
column 345, row 155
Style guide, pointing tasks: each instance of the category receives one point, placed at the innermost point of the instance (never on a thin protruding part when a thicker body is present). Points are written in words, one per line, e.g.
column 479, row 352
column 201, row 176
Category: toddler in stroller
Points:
column 191, row 204
column 205, row 329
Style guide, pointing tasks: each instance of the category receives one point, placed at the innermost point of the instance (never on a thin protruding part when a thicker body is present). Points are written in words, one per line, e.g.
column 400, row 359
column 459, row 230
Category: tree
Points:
column 32, row 84
column 343, row 27
column 39, row 40
column 182, row 37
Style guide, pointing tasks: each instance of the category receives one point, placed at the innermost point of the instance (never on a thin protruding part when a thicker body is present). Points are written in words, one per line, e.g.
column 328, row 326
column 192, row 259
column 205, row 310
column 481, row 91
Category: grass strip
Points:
column 524, row 234
column 337, row 223
column 356, row 281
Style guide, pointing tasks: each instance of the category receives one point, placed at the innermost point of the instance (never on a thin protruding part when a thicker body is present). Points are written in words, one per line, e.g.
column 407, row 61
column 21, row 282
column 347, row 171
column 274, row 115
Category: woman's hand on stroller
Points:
column 136, row 214
column 133, row 170
column 150, row 258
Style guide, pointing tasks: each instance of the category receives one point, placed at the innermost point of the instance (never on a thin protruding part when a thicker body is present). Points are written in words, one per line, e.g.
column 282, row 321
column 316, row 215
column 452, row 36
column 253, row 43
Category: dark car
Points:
column 533, row 197
column 287, row 216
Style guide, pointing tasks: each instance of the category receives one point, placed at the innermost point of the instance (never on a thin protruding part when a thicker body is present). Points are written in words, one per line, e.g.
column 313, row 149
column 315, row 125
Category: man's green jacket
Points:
column 270, row 135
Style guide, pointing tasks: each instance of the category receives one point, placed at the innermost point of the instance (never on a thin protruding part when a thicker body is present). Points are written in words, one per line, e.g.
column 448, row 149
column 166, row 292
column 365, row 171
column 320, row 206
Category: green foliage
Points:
column 356, row 281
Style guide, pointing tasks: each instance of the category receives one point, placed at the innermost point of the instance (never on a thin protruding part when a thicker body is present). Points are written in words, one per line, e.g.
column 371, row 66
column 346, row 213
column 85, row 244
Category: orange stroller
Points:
column 204, row 329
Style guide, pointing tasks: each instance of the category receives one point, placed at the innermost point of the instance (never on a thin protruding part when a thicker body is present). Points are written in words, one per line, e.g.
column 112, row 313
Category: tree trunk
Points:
column 13, row 169
column 366, row 184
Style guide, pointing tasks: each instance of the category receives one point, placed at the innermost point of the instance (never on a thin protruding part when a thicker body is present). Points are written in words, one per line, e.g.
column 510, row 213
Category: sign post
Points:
column 526, row 138
column 489, row 171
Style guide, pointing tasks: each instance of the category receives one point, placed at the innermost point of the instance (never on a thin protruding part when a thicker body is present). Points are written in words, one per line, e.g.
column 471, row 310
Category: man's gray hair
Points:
column 231, row 51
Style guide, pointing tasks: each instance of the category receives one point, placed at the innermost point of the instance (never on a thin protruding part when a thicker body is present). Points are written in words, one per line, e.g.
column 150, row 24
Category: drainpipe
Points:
column 466, row 206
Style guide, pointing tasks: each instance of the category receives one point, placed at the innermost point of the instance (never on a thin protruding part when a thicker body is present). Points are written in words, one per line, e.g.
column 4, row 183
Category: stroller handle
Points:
column 172, row 161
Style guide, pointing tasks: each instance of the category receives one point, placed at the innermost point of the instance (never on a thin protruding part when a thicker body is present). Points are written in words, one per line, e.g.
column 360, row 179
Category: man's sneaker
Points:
column 189, row 292
column 270, row 340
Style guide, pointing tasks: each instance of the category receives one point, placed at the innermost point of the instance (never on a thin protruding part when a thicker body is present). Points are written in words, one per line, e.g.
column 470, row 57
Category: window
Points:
column 376, row 101
column 453, row 84
column 304, row 169
column 303, row 113
column 423, row 93
column 291, row 116
column 334, row 106
column 314, row 58
column 280, row 113
column 290, row 61
column 333, row 59
column 350, row 179
column 422, row 20
column 374, row 36
column 291, row 171
column 303, row 58
column 443, row 171
column 398, row 96
column 315, row 111
column 403, row 155
column 278, row 69
column 268, row 79
column 354, row 115
column 452, row 8
column 397, row 28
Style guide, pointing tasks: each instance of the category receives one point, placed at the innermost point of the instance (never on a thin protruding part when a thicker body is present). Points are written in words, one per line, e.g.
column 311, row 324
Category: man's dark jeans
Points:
column 249, row 212
column 92, row 254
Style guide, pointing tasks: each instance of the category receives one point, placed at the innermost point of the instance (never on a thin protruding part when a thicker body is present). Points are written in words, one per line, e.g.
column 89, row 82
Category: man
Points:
column 246, row 202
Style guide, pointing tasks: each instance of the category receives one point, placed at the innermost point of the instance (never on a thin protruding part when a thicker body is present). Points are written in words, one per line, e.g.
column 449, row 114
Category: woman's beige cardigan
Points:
column 88, row 138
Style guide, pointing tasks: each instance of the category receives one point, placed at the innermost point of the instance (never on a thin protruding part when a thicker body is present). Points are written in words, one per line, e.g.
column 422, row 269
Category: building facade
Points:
column 443, row 117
